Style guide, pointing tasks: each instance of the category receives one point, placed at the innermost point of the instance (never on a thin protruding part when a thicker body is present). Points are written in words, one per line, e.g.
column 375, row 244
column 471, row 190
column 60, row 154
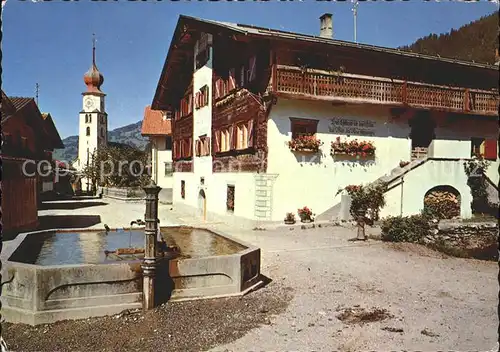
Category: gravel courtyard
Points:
column 423, row 300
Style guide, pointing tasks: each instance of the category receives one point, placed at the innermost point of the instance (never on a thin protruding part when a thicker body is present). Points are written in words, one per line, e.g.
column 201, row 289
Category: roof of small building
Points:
column 39, row 121
column 8, row 108
column 20, row 102
column 155, row 123
column 52, row 131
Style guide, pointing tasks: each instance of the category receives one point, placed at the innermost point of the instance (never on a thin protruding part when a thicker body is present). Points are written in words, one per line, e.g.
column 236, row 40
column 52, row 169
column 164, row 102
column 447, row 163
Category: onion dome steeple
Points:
column 93, row 78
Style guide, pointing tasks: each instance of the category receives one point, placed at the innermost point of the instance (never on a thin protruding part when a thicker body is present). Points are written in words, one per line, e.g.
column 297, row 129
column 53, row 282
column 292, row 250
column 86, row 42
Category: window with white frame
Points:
column 169, row 169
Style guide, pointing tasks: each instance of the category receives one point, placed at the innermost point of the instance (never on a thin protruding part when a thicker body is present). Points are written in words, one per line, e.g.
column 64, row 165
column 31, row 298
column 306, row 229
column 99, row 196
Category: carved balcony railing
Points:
column 344, row 87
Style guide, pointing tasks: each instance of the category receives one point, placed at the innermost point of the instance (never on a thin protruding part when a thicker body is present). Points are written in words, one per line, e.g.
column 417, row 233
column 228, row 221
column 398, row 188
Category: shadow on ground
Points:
column 47, row 222
column 69, row 205
column 67, row 221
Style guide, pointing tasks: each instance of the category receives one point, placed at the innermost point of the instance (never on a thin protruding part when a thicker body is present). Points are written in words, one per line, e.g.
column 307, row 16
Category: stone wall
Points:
column 123, row 193
column 464, row 235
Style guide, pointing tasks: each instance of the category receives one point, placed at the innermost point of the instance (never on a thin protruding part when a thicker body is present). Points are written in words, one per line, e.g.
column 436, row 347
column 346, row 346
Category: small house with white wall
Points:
column 267, row 121
column 157, row 125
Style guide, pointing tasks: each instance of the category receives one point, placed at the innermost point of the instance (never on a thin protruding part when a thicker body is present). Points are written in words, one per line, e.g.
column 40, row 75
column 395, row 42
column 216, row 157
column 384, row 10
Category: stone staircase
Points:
column 492, row 191
column 334, row 213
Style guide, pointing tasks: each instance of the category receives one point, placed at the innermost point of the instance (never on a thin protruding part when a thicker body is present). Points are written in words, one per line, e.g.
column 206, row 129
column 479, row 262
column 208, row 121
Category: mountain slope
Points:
column 129, row 134
column 475, row 41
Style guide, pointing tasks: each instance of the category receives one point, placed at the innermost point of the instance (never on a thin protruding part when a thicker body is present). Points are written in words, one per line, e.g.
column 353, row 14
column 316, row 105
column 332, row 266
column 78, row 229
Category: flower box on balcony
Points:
column 352, row 150
column 360, row 157
column 305, row 144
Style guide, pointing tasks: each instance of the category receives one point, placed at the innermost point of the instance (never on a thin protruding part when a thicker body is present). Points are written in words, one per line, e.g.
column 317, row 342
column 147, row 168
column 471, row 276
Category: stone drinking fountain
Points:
column 73, row 274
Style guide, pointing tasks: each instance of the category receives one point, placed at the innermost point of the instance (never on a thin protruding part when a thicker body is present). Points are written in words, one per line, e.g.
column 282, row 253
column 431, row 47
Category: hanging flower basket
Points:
column 305, row 144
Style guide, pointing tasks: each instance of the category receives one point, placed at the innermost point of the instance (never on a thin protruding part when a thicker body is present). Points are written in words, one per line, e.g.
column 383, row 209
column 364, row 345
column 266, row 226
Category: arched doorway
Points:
column 443, row 202
column 202, row 205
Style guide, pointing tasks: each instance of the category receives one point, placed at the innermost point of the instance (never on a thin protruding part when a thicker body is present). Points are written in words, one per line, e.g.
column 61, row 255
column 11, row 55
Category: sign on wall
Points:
column 352, row 127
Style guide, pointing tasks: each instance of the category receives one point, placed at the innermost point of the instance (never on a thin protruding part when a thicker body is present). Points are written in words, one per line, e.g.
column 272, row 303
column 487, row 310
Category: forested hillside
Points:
column 475, row 41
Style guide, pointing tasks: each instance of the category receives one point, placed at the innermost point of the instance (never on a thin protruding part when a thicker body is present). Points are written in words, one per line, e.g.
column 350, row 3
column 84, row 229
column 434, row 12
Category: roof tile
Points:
column 155, row 124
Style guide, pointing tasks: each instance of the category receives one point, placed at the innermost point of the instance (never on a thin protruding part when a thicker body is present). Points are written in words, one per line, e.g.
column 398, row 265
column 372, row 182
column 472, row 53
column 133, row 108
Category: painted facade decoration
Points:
column 356, row 122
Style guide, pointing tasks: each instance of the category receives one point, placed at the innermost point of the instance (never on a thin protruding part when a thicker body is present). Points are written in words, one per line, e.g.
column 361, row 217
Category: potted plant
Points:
column 305, row 143
column 290, row 218
column 403, row 163
column 305, row 214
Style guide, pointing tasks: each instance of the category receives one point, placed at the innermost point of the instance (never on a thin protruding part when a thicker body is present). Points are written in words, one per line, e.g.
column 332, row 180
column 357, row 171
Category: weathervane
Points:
column 355, row 13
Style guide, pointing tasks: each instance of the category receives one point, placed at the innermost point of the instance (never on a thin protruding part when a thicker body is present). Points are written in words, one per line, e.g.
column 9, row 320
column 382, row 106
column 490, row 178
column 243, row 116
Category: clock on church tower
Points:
column 89, row 103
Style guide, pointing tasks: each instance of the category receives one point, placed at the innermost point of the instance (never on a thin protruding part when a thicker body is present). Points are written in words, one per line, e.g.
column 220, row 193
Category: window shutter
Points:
column 196, row 100
column 207, row 144
column 217, row 142
column 232, row 138
column 251, row 70
column 232, row 80
column 203, row 146
column 205, row 95
column 223, row 87
column 250, row 133
column 490, row 149
column 190, row 146
column 197, row 148
column 217, row 92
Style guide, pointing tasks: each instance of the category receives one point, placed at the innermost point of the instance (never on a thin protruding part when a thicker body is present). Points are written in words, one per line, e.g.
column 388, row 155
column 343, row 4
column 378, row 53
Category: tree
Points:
column 475, row 41
column 118, row 165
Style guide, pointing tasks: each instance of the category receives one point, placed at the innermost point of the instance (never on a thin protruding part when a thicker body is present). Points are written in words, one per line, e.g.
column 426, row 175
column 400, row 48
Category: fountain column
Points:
column 150, row 232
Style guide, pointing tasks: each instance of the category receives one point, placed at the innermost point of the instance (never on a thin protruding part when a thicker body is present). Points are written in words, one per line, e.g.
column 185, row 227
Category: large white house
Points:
column 93, row 121
column 240, row 94
column 158, row 127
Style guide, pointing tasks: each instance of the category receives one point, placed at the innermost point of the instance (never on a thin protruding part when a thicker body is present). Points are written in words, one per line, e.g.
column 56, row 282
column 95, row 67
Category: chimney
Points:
column 326, row 26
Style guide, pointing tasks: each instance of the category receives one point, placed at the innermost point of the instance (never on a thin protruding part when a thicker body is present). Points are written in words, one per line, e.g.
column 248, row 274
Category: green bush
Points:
column 405, row 228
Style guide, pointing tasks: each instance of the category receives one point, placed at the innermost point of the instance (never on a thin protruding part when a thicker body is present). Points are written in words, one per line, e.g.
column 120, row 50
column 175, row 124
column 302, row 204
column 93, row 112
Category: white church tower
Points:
column 93, row 123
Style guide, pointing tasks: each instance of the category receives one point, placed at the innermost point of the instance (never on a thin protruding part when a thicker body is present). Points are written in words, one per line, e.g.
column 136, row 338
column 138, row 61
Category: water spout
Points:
column 137, row 222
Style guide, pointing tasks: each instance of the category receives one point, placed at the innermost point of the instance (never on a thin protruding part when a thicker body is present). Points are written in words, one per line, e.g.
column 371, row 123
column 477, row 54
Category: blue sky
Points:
column 50, row 43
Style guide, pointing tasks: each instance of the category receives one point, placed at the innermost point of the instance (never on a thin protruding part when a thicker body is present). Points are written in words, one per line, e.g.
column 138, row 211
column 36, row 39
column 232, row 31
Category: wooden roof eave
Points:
column 362, row 53
column 363, row 49
column 53, row 133
column 35, row 120
column 195, row 25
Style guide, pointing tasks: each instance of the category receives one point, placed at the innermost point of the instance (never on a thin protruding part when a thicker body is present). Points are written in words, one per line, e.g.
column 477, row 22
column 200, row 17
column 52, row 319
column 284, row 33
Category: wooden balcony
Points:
column 293, row 82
